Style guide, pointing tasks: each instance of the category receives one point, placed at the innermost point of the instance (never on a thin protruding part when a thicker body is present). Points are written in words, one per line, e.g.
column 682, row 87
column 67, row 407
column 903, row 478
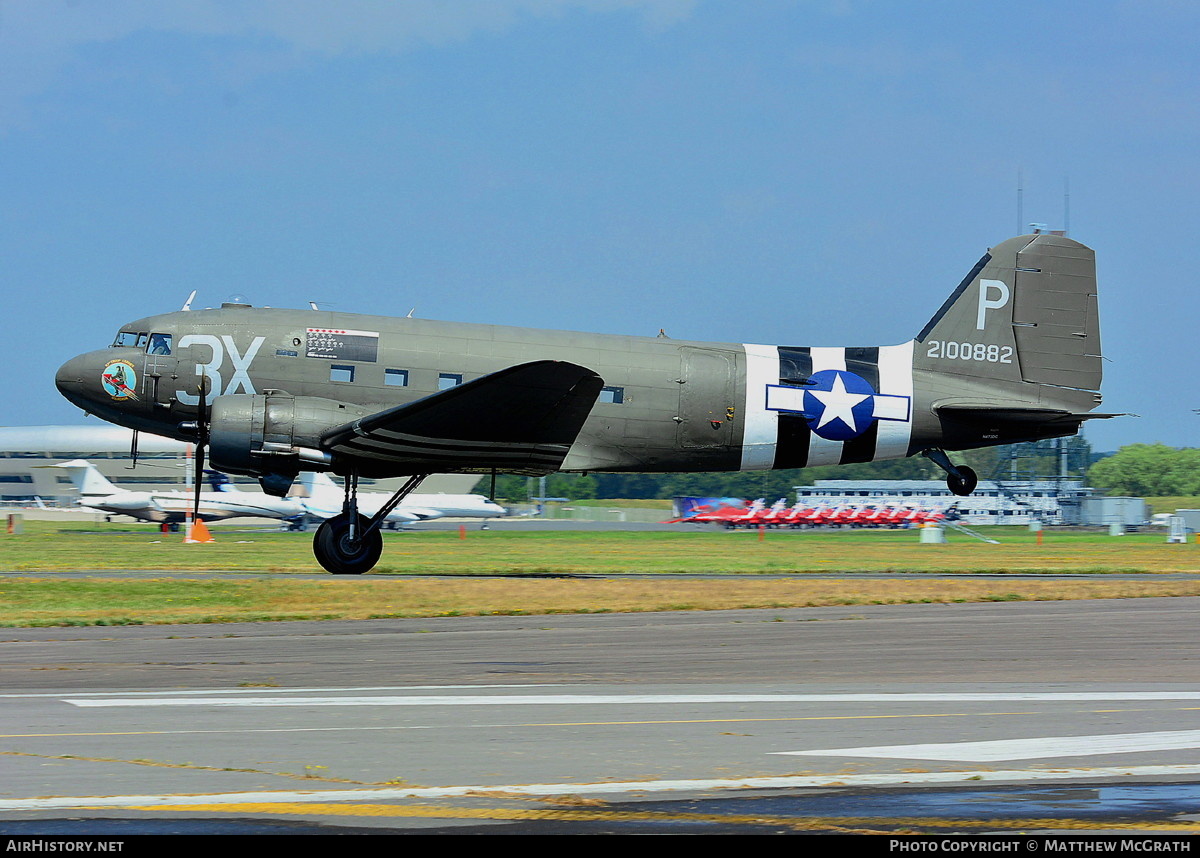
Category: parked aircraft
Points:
column 721, row 512
column 294, row 513
column 1012, row 355
column 779, row 515
column 98, row 493
column 323, row 499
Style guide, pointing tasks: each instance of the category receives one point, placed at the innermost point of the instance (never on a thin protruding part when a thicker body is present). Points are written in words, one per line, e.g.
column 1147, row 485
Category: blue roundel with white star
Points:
column 840, row 404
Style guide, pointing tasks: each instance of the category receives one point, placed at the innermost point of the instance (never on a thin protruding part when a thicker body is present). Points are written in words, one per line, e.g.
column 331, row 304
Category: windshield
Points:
column 160, row 344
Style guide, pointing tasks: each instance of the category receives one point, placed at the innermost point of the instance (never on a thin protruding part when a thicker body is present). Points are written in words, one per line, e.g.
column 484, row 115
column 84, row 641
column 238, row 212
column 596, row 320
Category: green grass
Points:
column 504, row 572
column 52, row 546
column 1170, row 504
column 112, row 601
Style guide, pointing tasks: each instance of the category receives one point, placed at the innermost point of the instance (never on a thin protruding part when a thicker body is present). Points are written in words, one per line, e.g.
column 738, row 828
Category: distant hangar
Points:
column 993, row 502
column 162, row 463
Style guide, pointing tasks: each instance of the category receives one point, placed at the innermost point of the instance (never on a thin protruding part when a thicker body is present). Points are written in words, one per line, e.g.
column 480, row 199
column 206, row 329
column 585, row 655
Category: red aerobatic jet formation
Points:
column 779, row 514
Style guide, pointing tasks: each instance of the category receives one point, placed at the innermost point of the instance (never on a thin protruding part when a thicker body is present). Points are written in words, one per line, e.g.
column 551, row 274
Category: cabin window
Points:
column 395, row 377
column 447, row 380
column 127, row 339
column 615, row 395
column 160, row 344
column 338, row 372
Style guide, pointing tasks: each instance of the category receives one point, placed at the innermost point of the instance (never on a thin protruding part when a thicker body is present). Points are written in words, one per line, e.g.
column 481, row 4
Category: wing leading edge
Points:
column 522, row 419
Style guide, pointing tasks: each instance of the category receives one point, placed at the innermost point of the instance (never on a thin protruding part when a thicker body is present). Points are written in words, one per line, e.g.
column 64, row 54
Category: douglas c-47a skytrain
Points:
column 1012, row 355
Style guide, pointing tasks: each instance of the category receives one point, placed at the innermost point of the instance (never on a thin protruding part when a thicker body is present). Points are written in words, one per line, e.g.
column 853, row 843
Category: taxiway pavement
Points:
column 818, row 719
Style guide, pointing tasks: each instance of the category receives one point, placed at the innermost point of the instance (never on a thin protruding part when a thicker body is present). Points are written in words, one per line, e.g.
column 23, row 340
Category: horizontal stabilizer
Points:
column 520, row 419
column 1015, row 414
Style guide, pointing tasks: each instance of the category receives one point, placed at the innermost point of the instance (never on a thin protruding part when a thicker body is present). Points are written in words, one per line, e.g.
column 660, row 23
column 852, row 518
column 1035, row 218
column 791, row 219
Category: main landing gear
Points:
column 350, row 543
column 960, row 479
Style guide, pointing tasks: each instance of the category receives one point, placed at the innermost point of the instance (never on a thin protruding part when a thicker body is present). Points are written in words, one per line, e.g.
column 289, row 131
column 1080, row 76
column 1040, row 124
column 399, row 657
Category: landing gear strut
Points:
column 350, row 543
column 960, row 479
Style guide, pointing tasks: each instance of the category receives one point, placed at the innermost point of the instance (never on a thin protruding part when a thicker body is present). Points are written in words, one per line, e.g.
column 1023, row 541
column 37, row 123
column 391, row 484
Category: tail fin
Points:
column 219, row 482
column 1027, row 312
column 90, row 482
column 314, row 483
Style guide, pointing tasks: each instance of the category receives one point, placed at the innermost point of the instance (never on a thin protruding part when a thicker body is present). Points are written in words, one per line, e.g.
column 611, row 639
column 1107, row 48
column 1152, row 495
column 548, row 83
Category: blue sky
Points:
column 772, row 171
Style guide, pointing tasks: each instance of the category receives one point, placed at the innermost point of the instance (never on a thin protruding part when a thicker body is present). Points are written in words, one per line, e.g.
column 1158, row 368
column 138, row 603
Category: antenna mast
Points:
column 1066, row 205
column 1020, row 203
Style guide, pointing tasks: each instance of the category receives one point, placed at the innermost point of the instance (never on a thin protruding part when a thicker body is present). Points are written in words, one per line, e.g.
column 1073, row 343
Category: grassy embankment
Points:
column 400, row 588
column 1168, row 505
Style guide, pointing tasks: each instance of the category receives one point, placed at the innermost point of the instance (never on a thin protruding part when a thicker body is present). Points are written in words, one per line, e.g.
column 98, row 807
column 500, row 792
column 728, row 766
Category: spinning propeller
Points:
column 201, row 441
column 199, row 429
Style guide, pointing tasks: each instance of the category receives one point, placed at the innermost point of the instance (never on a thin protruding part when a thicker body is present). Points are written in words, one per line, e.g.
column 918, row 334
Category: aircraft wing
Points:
column 520, row 419
column 396, row 515
column 421, row 513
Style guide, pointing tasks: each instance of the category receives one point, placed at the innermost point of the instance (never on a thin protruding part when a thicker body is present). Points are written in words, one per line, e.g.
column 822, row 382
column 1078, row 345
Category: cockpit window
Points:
column 160, row 344
column 127, row 338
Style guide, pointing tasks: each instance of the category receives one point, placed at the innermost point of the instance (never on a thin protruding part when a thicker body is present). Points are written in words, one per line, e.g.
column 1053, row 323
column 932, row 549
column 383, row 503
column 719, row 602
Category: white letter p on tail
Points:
column 986, row 304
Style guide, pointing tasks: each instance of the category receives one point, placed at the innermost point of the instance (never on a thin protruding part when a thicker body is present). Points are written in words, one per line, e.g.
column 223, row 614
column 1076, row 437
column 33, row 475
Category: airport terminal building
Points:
column 163, row 464
column 1007, row 502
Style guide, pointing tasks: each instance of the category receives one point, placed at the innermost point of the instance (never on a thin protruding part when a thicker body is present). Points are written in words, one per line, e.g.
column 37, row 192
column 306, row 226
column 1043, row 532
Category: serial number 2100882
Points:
column 950, row 350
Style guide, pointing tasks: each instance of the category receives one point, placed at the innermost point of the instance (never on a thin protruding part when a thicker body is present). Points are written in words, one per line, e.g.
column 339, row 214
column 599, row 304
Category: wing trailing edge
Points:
column 521, row 419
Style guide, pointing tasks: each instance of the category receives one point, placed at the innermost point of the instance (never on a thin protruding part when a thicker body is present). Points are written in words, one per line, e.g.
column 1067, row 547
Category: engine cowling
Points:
column 270, row 435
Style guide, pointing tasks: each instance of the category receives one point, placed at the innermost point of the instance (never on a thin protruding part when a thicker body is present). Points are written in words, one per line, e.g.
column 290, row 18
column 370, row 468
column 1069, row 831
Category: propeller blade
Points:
column 199, row 470
column 201, row 442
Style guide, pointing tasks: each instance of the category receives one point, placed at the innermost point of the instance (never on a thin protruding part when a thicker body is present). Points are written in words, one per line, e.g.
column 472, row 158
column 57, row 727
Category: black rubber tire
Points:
column 965, row 485
column 333, row 550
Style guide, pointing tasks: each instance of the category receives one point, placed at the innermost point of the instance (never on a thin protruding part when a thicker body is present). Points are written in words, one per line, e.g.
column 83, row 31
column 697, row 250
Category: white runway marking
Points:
column 1022, row 749
column 558, row 789
column 621, row 699
column 223, row 691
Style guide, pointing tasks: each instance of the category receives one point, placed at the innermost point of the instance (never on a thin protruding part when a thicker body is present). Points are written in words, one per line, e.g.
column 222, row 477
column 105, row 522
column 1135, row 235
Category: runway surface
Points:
column 1056, row 716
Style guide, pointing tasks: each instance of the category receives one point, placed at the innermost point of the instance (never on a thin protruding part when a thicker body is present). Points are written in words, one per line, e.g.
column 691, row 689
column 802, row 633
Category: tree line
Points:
column 1016, row 462
column 1149, row 470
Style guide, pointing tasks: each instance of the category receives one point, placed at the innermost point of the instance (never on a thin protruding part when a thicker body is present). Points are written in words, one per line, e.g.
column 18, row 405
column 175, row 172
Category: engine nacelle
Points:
column 269, row 435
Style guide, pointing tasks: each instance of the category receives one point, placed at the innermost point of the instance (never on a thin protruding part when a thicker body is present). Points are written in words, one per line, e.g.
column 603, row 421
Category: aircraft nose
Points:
column 80, row 379
column 69, row 378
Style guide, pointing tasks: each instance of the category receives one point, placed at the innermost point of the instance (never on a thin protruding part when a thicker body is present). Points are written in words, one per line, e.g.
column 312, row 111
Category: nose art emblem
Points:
column 119, row 379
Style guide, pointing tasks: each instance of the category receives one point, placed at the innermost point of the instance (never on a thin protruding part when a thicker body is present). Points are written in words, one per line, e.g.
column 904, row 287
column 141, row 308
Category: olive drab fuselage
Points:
column 1012, row 355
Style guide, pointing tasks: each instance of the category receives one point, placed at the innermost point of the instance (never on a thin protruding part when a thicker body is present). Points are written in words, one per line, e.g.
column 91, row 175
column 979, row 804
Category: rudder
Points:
column 1055, row 314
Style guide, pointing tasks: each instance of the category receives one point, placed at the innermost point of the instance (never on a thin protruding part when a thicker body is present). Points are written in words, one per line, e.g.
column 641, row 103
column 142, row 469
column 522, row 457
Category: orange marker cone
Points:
column 199, row 533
